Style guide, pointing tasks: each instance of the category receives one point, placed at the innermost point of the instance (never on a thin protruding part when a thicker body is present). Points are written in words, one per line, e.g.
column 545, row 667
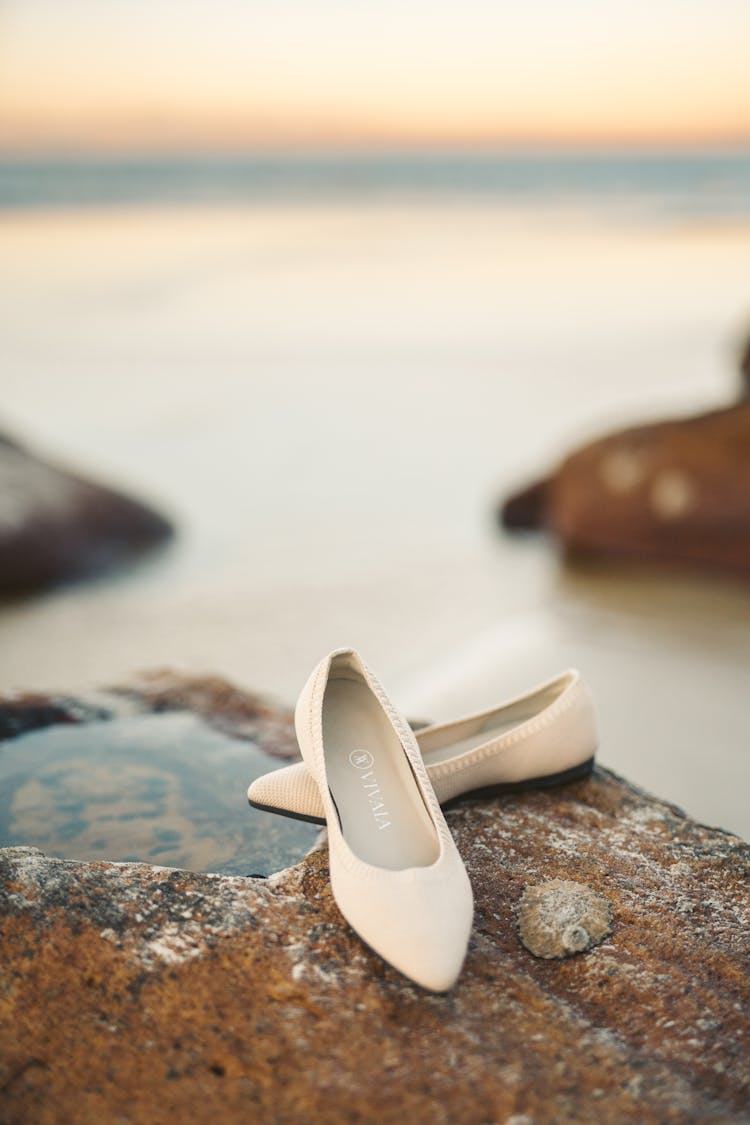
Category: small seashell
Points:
column 559, row 918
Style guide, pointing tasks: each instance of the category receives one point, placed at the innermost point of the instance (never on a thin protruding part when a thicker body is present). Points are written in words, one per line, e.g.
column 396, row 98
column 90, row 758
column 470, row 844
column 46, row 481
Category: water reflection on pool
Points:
column 164, row 789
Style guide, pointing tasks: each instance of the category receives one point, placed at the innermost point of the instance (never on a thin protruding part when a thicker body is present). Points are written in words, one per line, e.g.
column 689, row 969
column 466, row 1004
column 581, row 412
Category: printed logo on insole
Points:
column 363, row 761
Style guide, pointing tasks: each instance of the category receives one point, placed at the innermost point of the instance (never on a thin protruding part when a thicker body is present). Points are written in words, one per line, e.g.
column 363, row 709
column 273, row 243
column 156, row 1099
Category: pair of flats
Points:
column 396, row 874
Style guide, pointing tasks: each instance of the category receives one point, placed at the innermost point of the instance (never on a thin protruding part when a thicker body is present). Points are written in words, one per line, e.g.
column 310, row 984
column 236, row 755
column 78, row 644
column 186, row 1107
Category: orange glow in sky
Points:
column 232, row 73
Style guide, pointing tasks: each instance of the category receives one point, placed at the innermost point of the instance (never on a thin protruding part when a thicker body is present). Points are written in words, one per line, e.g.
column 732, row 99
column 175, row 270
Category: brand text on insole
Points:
column 363, row 761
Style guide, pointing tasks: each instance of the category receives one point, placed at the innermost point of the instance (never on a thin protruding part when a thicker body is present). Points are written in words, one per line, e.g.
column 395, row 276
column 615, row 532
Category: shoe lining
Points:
column 450, row 744
column 381, row 810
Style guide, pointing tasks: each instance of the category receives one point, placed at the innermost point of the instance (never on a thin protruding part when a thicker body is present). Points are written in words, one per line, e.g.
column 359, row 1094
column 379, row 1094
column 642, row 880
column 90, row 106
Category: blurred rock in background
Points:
column 674, row 493
column 56, row 526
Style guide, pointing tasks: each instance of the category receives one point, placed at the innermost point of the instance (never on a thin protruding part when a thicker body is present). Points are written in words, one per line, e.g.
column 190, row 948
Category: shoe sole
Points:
column 546, row 781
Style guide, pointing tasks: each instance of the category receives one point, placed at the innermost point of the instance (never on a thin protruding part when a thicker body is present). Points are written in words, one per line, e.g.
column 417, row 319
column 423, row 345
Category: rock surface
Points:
column 241, row 713
column 237, row 712
column 56, row 526
column 674, row 493
column 134, row 993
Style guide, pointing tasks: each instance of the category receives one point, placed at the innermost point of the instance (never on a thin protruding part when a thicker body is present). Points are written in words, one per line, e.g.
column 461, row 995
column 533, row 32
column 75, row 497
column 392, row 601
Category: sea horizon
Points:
column 706, row 183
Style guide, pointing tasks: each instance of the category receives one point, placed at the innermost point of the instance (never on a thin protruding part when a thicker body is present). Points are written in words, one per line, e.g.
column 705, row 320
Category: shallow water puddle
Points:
column 164, row 789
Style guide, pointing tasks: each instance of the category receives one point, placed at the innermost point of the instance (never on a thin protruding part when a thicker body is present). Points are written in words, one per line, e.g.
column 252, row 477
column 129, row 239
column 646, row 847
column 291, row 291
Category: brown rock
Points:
column 143, row 994
column 237, row 712
column 527, row 509
column 744, row 366
column 234, row 710
column 675, row 493
column 21, row 712
column 56, row 526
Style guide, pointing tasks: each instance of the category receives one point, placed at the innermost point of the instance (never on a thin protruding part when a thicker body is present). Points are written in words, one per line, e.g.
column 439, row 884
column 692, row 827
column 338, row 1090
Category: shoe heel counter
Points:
column 568, row 737
column 580, row 722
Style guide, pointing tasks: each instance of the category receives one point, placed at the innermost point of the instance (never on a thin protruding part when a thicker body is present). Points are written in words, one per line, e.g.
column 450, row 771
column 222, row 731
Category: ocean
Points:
column 673, row 187
column 329, row 369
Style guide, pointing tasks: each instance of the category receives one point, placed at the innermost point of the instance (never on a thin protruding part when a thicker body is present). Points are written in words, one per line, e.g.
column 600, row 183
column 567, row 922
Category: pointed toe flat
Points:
column 396, row 874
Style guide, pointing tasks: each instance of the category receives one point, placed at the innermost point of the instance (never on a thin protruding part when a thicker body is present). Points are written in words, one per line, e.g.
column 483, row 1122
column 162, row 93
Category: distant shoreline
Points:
column 701, row 184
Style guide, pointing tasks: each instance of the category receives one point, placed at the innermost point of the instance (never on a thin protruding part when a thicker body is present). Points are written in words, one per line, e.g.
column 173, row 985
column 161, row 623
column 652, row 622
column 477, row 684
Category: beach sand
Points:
column 330, row 400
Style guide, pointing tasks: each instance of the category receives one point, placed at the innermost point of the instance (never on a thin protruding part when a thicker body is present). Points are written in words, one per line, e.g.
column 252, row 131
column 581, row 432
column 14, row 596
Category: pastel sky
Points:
column 234, row 73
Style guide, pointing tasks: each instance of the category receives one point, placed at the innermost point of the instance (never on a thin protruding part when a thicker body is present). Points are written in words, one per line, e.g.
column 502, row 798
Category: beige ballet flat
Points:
column 543, row 738
column 396, row 874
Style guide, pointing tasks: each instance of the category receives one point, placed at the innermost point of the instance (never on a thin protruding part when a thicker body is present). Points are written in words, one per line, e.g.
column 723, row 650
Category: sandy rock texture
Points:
column 132, row 993
column 56, row 526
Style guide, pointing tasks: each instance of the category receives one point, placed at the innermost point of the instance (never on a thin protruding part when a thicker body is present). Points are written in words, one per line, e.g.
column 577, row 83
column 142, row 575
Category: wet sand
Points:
column 329, row 401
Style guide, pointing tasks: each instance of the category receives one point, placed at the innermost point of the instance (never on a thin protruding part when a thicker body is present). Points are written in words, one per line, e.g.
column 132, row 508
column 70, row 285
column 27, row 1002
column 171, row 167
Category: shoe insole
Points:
column 382, row 813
